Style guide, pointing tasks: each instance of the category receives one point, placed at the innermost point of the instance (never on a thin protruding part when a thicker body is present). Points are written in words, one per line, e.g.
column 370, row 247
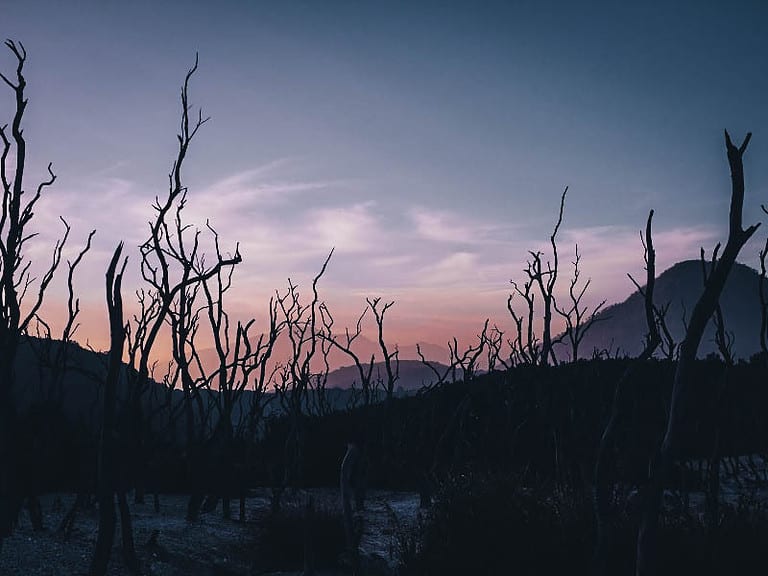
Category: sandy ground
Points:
column 211, row 547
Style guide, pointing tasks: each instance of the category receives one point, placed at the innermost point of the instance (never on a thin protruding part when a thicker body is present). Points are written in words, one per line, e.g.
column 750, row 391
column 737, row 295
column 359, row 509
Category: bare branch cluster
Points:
column 577, row 322
column 539, row 289
column 21, row 294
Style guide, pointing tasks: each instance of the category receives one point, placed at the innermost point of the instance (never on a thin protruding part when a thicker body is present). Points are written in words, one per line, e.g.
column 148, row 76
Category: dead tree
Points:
column 364, row 371
column 184, row 324
column 318, row 403
column 361, row 439
column 761, row 291
column 678, row 423
column 53, row 356
column 723, row 338
column 541, row 278
column 348, row 465
column 724, row 342
column 447, row 375
column 369, row 395
column 107, row 480
column 302, row 330
column 263, row 378
column 467, row 361
column 162, row 420
column 392, row 368
column 494, row 343
column 668, row 345
column 393, row 373
column 545, row 279
column 173, row 266
column 578, row 319
column 464, row 365
column 238, row 360
column 526, row 347
column 605, row 462
column 16, row 282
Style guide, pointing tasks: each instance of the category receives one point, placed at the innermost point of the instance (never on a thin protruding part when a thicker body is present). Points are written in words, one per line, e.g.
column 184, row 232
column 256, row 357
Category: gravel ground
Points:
column 212, row 546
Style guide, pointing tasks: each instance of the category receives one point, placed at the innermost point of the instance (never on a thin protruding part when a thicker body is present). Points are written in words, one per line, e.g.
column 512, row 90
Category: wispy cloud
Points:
column 396, row 261
column 353, row 229
column 450, row 227
column 111, row 205
column 252, row 188
column 609, row 253
column 442, row 267
column 608, row 247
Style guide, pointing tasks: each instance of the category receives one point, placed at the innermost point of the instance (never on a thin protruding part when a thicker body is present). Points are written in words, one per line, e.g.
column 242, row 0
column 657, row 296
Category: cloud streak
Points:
column 452, row 228
column 255, row 187
column 447, row 271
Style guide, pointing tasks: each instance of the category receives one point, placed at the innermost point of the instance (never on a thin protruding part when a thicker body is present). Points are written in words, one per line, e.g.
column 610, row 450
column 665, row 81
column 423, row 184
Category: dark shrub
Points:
column 281, row 538
column 484, row 524
column 481, row 524
column 736, row 547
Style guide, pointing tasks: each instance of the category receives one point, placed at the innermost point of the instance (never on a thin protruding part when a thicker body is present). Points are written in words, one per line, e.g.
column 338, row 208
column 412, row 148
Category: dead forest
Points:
column 529, row 454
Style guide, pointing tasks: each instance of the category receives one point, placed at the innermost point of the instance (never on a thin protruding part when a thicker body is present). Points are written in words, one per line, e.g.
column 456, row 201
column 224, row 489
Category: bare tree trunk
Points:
column 603, row 485
column 126, row 531
column 7, row 450
column 161, row 254
column 106, row 484
column 712, row 501
column 194, row 504
column 35, row 513
column 81, row 501
column 18, row 210
column 309, row 543
column 547, row 288
column 683, row 387
column 712, row 515
column 347, row 494
column 106, row 535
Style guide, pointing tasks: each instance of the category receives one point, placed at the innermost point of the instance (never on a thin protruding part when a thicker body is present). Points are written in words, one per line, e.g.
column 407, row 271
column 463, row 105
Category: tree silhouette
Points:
column 16, row 282
column 174, row 268
column 605, row 462
column 684, row 388
column 108, row 475
column 543, row 277
column 303, row 328
column 577, row 320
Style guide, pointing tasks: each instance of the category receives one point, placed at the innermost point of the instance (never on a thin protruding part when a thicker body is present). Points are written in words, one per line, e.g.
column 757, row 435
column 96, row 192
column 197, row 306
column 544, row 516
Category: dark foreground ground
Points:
column 211, row 547
column 478, row 524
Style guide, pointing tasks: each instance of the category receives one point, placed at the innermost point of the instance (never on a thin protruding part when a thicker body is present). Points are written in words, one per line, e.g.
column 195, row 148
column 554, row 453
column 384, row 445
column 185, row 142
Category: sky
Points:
column 428, row 142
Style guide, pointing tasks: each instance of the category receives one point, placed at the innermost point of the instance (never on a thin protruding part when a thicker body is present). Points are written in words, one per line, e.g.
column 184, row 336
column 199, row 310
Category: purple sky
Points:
column 428, row 142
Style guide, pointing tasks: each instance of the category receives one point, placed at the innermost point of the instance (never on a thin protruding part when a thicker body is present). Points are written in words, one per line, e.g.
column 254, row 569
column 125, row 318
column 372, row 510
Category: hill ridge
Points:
column 622, row 324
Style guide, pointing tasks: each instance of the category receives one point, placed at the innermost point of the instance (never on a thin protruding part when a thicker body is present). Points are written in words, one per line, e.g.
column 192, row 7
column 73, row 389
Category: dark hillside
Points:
column 413, row 375
column 545, row 422
column 623, row 327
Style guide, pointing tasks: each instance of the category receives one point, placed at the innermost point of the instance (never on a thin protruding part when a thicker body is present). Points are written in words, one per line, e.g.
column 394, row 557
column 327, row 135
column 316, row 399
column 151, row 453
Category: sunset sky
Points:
column 429, row 142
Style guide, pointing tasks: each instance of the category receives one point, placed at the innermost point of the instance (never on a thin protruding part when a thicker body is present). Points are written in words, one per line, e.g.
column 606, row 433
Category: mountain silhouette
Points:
column 364, row 347
column 621, row 329
column 413, row 375
column 622, row 326
column 77, row 390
